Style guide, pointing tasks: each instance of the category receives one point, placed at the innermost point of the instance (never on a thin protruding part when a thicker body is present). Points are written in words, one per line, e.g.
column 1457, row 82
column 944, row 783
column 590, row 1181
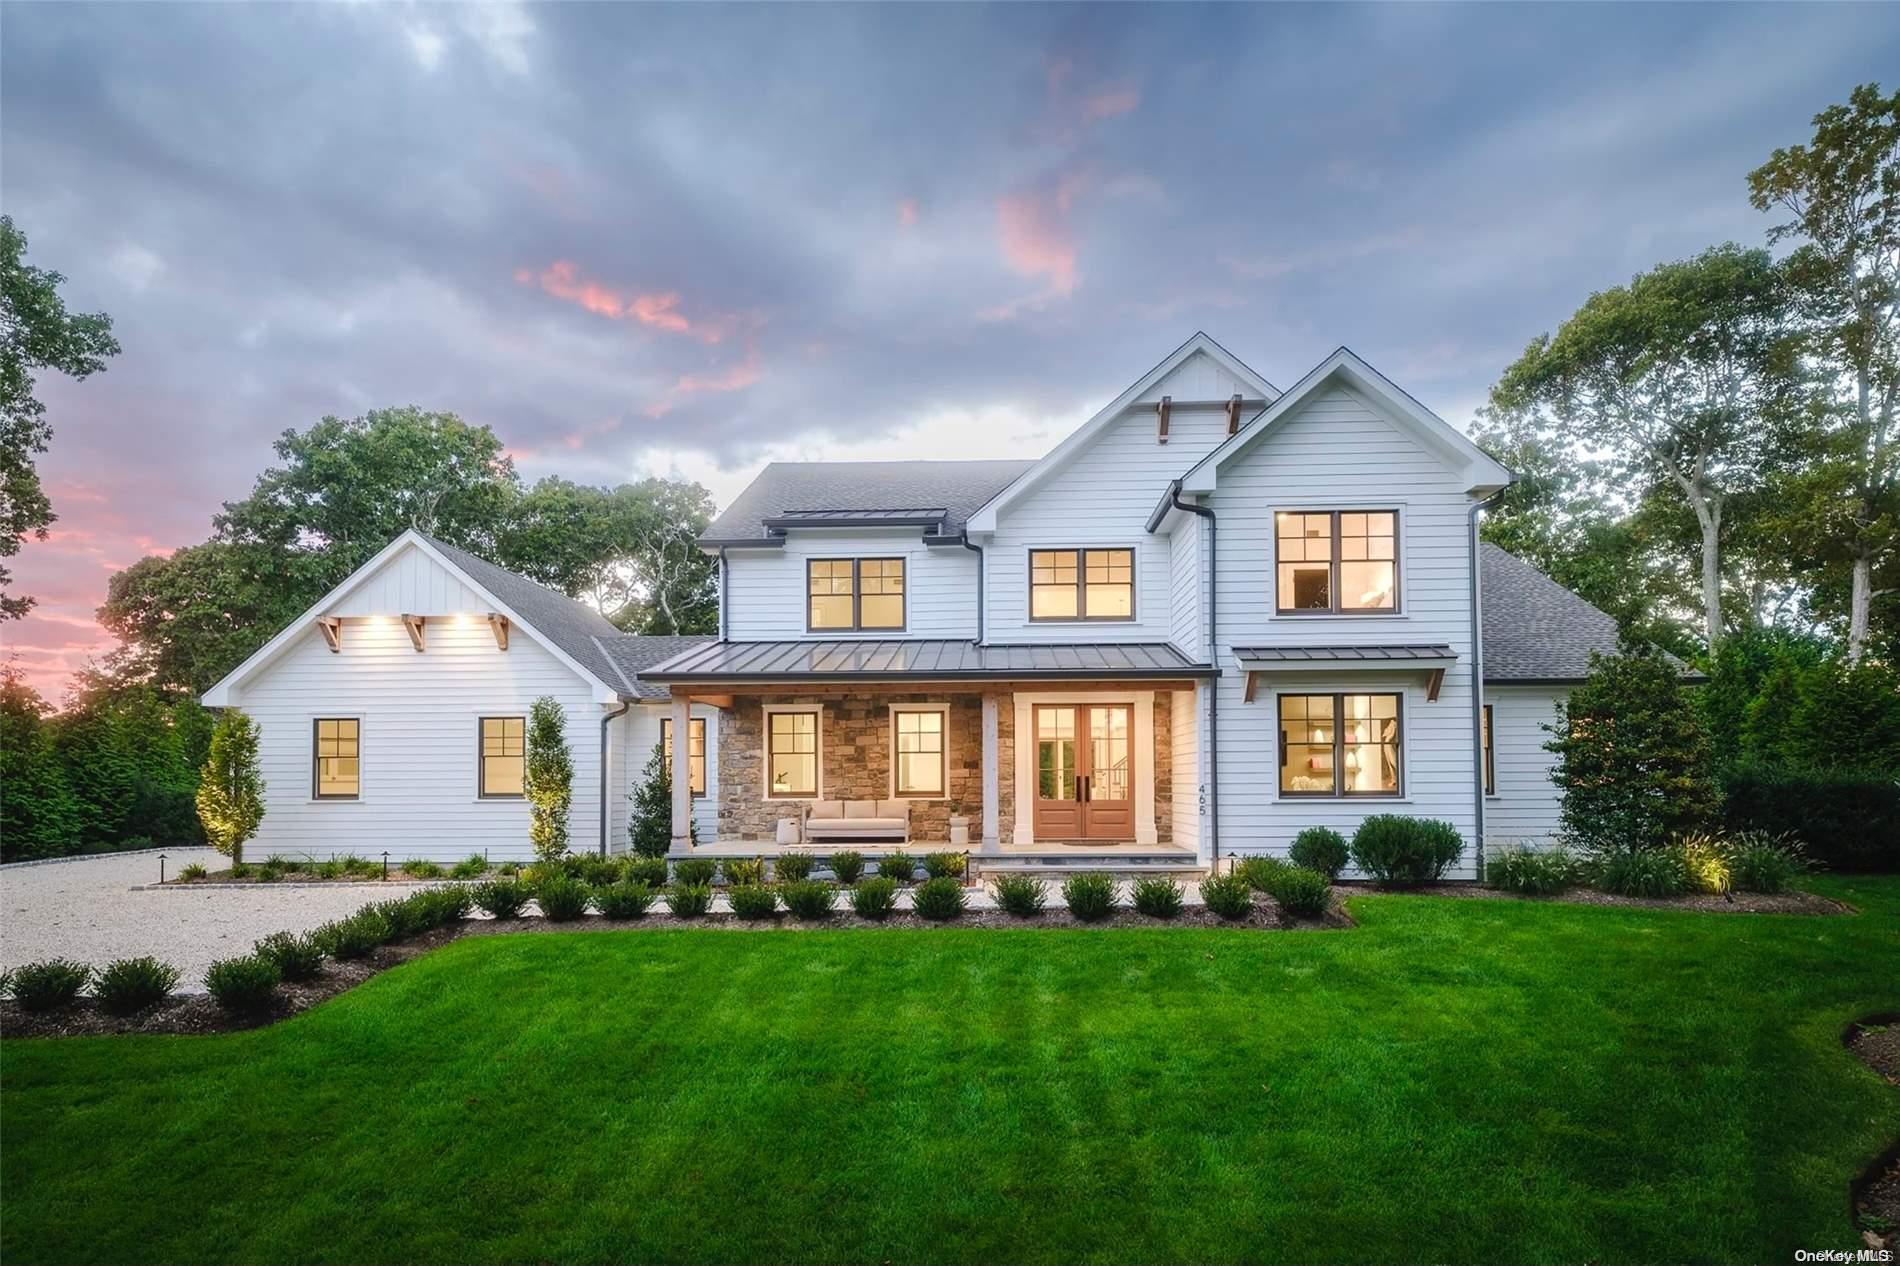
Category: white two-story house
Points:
column 1217, row 613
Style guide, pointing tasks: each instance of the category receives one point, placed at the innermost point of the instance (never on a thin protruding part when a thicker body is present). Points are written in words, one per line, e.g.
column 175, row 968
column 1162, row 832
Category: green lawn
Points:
column 1474, row 1081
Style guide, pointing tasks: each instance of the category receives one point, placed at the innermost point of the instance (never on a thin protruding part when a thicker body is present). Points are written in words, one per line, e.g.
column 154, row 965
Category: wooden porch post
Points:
column 992, row 798
column 681, row 773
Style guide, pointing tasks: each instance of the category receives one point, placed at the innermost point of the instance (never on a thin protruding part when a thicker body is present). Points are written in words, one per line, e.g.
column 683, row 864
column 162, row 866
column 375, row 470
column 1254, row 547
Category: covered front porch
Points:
column 929, row 746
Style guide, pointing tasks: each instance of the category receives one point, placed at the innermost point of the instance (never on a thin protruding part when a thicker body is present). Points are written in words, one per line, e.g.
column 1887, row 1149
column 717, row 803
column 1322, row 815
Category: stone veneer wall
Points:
column 856, row 759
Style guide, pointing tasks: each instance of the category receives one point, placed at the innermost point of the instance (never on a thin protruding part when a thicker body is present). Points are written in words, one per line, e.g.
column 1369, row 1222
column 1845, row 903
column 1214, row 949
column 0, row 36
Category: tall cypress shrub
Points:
column 549, row 786
column 650, row 819
column 230, row 795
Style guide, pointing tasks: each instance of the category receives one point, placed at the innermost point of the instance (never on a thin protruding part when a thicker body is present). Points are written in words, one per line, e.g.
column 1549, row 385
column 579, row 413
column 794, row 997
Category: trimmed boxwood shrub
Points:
column 689, row 901
column 1090, row 896
column 875, row 898
column 1319, row 848
column 938, row 899
column 133, row 984
column 243, row 984
column 789, row 868
column 1020, row 895
column 809, row 899
column 1301, row 892
column 694, row 871
column 1158, row 897
column 1258, row 872
column 901, row 867
column 650, row 871
column 296, row 957
column 1845, row 820
column 1229, row 896
column 624, row 900
column 1539, row 873
column 502, row 898
column 562, row 899
column 353, row 937
column 1395, row 849
column 847, row 867
column 46, row 985
column 752, row 901
column 943, row 865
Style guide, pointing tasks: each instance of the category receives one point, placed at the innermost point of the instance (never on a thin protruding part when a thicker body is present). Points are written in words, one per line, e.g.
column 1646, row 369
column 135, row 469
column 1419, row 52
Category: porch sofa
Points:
column 858, row 820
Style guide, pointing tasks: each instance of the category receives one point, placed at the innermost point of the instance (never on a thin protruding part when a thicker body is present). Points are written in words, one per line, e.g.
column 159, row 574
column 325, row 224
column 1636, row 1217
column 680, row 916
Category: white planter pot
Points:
column 960, row 831
column 788, row 830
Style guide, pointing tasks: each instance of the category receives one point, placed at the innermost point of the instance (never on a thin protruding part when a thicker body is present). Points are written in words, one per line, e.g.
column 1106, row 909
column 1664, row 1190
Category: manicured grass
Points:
column 1473, row 1081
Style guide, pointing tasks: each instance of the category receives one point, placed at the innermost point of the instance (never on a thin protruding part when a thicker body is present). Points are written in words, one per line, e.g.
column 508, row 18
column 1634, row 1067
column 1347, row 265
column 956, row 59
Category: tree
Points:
column 36, row 332
column 1677, row 381
column 650, row 816
column 550, row 779
column 1843, row 192
column 186, row 620
column 1632, row 756
column 38, row 814
column 230, row 788
column 1740, row 673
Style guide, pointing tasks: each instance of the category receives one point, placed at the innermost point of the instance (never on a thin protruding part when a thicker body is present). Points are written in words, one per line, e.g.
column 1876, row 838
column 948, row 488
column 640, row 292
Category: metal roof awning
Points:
column 918, row 660
column 1430, row 660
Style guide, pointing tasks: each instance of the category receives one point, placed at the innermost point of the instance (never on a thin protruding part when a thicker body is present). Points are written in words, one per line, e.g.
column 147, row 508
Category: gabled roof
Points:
column 566, row 627
column 1535, row 630
column 1481, row 473
column 871, row 491
column 633, row 655
column 984, row 519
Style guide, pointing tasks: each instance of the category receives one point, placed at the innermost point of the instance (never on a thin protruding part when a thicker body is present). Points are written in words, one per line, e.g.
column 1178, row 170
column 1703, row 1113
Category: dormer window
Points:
column 1338, row 561
column 851, row 594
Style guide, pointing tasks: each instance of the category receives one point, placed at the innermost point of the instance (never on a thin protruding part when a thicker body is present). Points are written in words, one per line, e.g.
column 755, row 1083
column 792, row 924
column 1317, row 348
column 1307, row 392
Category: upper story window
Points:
column 854, row 593
column 337, row 758
column 1082, row 584
column 695, row 751
column 1336, row 560
column 504, row 756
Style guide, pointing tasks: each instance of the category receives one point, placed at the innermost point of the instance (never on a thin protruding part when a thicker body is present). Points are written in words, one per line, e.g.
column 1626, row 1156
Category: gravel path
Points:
column 82, row 909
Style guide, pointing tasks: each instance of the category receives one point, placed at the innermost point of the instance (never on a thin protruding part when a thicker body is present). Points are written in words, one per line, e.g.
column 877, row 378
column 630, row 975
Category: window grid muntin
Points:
column 791, row 738
column 1336, row 719
column 1345, row 544
column 339, row 742
column 502, row 741
column 919, row 732
column 1081, row 583
column 695, row 752
column 854, row 580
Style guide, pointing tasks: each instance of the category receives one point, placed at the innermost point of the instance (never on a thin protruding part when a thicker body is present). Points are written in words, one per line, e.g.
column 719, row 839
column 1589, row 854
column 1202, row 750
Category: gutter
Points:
column 605, row 720
column 1213, row 696
column 1477, row 676
column 982, row 582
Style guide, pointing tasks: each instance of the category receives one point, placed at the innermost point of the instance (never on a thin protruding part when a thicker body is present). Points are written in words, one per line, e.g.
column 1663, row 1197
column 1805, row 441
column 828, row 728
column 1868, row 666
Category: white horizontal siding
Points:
column 1524, row 808
column 766, row 588
column 1187, row 585
column 1337, row 452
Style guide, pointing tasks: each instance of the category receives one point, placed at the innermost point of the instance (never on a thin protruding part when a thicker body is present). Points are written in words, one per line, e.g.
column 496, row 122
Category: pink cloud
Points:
column 907, row 212
column 1110, row 103
column 1036, row 236
column 659, row 310
column 735, row 377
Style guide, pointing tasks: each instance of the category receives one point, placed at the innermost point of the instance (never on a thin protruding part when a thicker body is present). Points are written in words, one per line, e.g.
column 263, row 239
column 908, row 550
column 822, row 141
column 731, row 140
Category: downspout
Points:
column 1477, row 677
column 605, row 720
column 725, row 574
column 982, row 580
column 1213, row 695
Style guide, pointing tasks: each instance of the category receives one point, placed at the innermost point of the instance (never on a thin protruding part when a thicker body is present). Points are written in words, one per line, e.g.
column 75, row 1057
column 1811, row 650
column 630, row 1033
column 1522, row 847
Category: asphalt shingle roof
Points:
column 958, row 488
column 631, row 654
column 1534, row 628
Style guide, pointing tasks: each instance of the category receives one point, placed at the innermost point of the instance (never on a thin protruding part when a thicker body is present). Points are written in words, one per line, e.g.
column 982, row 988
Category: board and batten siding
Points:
column 766, row 588
column 1339, row 453
column 635, row 736
column 1524, row 808
column 419, row 716
column 1102, row 499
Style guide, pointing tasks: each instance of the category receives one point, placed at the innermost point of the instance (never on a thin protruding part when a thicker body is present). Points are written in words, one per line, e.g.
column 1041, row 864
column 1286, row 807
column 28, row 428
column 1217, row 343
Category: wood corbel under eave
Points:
column 1433, row 680
column 1161, row 419
column 414, row 624
column 1247, row 695
column 332, row 630
column 1233, row 415
column 499, row 623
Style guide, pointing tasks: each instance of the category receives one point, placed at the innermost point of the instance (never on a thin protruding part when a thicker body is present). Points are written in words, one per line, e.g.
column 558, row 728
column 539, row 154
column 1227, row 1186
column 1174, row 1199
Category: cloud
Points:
column 425, row 44
column 1110, row 103
column 907, row 212
column 1035, row 231
column 659, row 311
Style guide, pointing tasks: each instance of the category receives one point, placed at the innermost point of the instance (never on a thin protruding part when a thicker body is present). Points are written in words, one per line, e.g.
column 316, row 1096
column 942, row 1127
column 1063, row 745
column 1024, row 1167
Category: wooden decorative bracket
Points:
column 1247, row 695
column 1433, row 680
column 1233, row 415
column 332, row 630
column 499, row 623
column 414, row 624
column 1161, row 419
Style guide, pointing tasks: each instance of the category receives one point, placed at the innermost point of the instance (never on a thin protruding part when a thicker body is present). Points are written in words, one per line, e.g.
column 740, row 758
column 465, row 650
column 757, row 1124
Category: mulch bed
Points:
column 198, row 1014
column 1875, row 1041
column 1790, row 902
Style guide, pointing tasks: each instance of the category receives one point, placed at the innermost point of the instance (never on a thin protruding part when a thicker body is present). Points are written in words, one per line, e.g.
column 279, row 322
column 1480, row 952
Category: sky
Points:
column 687, row 240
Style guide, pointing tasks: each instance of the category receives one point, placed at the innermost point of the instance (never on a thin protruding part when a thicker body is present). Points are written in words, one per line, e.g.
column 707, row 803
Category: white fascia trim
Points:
column 1479, row 471
column 225, row 693
column 984, row 520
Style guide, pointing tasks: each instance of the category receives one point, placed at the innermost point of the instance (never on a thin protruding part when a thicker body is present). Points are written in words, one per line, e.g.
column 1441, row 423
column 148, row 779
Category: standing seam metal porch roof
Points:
column 880, row 659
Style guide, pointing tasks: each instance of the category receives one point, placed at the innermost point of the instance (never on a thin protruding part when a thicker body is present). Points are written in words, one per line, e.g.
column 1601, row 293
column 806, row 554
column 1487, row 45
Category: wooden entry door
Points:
column 1085, row 771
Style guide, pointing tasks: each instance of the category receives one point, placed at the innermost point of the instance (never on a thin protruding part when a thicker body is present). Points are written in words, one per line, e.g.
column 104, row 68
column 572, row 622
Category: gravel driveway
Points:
column 83, row 909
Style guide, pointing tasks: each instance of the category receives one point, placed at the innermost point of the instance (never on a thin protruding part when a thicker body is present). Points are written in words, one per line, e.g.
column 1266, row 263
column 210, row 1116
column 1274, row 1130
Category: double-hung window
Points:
column 695, row 751
column 917, row 739
column 791, row 754
column 852, row 594
column 336, row 758
column 1082, row 584
column 1342, row 561
column 1339, row 745
column 504, row 758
